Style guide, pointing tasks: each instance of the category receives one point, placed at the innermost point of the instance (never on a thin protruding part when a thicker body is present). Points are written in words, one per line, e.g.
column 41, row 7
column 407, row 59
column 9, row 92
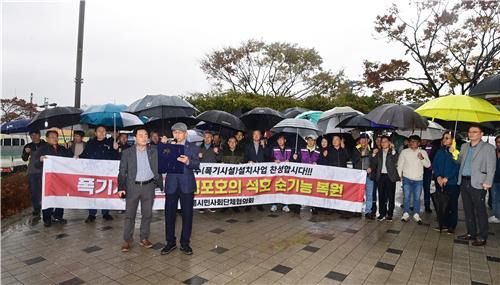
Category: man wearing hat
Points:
column 34, row 174
column 310, row 155
column 180, row 187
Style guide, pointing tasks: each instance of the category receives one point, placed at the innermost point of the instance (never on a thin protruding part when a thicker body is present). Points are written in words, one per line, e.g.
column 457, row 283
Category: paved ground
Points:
column 256, row 247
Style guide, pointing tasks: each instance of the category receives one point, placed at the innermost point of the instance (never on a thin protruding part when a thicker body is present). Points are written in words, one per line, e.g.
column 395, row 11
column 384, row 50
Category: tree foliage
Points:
column 452, row 46
column 16, row 108
column 273, row 69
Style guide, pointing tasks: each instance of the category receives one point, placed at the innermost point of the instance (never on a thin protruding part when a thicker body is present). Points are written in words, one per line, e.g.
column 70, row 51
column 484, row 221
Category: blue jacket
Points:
column 185, row 181
column 445, row 166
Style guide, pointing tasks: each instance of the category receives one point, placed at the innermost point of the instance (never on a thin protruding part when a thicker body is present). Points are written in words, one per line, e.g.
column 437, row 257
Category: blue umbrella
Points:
column 110, row 115
column 312, row 116
column 16, row 126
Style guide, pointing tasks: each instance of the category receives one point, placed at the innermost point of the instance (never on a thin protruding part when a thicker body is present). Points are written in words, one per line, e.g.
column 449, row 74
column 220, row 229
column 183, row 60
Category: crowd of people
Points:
column 472, row 172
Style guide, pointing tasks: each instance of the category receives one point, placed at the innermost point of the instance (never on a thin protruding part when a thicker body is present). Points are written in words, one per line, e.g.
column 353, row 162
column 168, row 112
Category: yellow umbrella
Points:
column 460, row 108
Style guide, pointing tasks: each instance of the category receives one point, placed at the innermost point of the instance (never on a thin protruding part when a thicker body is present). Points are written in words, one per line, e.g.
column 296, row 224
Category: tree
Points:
column 452, row 46
column 16, row 108
column 276, row 69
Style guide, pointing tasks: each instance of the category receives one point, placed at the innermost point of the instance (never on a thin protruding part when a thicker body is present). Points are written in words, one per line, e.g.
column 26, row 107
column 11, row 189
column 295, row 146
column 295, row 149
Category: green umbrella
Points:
column 312, row 116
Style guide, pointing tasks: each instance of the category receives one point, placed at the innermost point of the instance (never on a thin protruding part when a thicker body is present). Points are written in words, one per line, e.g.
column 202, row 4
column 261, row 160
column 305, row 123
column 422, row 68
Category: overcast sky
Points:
column 134, row 48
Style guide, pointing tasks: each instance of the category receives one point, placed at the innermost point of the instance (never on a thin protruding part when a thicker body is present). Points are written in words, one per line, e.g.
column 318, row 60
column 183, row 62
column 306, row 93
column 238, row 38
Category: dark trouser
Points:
column 386, row 192
column 374, row 205
column 427, row 187
column 474, row 209
column 144, row 194
column 35, row 183
column 451, row 212
column 93, row 212
column 187, row 201
column 48, row 213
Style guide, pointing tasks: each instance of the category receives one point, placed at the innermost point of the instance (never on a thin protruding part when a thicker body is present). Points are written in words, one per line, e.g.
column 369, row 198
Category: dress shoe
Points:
column 466, row 237
column 126, row 247
column 107, row 217
column 90, row 219
column 59, row 221
column 479, row 242
column 146, row 243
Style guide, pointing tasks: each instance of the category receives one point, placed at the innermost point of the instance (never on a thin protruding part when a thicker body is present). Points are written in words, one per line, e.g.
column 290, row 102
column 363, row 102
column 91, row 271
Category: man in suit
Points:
column 475, row 177
column 254, row 153
column 137, row 179
column 180, row 187
column 384, row 166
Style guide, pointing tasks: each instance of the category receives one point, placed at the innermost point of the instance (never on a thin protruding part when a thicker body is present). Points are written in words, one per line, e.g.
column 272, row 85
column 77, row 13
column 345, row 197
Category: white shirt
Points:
column 410, row 166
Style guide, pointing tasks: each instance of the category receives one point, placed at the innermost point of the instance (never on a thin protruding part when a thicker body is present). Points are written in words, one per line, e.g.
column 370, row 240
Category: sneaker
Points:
column 47, row 223
column 380, row 218
column 286, row 209
column 428, row 209
column 201, row 211
column 168, row 249
column 187, row 250
column 90, row 219
column 451, row 231
column 107, row 217
column 369, row 216
column 405, row 217
column 493, row 220
column 442, row 229
column 274, row 208
column 388, row 218
column 211, row 210
column 314, row 211
column 417, row 218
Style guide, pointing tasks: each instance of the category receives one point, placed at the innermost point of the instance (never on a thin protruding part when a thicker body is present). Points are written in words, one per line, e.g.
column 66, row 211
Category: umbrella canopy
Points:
column 434, row 131
column 330, row 119
column 15, row 126
column 399, row 116
column 110, row 115
column 261, row 118
column 163, row 125
column 194, row 136
column 57, row 117
column 487, row 88
column 302, row 127
column 362, row 123
column 312, row 116
column 460, row 108
column 293, row 112
column 223, row 119
column 162, row 106
column 292, row 140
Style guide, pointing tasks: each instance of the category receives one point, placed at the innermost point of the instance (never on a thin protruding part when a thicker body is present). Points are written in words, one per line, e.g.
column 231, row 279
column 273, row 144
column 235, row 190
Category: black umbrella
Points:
column 163, row 125
column 261, row 118
column 222, row 119
column 487, row 88
column 360, row 122
column 440, row 200
column 57, row 117
column 293, row 112
column 399, row 116
column 162, row 106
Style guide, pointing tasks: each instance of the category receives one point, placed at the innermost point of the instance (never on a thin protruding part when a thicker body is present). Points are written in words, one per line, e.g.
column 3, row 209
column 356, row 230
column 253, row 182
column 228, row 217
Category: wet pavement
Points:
column 244, row 248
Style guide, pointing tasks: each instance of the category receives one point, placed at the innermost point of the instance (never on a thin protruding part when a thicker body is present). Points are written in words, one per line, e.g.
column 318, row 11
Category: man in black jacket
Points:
column 384, row 168
column 52, row 147
column 337, row 155
column 100, row 148
column 34, row 174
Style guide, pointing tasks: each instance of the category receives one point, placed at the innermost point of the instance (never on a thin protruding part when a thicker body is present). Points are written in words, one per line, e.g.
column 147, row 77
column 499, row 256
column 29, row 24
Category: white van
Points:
column 11, row 147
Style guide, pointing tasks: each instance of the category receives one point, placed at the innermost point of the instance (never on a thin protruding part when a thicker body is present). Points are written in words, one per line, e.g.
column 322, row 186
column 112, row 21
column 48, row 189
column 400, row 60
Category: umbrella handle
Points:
column 296, row 139
column 114, row 127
